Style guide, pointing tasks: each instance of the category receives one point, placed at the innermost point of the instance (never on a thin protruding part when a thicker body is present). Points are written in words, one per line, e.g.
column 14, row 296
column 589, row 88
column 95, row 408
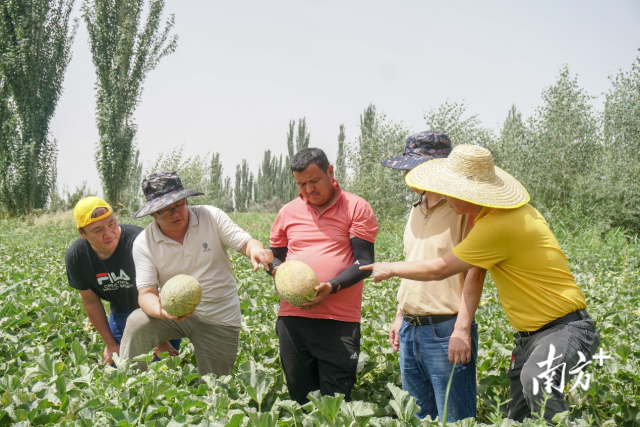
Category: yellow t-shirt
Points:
column 526, row 263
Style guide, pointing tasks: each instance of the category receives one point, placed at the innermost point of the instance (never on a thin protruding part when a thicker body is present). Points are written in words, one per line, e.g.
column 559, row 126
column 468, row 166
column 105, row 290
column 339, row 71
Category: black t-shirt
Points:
column 112, row 279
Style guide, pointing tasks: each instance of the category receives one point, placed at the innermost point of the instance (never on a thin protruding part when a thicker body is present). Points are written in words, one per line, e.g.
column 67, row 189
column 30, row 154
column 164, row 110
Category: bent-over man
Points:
column 536, row 289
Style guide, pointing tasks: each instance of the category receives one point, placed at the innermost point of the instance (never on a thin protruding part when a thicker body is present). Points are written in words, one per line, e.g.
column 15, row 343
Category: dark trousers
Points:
column 532, row 370
column 318, row 354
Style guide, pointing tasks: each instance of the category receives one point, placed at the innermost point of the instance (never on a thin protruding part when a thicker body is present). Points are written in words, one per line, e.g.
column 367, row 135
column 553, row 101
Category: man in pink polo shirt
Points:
column 334, row 233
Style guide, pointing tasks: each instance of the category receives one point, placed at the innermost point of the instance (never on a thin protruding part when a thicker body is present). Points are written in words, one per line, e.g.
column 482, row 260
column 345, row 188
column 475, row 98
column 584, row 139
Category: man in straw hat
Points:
column 100, row 266
column 190, row 240
column 536, row 289
column 434, row 325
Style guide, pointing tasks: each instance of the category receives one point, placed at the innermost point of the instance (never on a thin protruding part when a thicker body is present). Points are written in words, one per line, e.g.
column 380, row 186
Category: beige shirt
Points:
column 430, row 234
column 202, row 255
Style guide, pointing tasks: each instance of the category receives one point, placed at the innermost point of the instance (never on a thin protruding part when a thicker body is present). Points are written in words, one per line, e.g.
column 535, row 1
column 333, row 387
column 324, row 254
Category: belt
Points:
column 571, row 317
column 427, row 320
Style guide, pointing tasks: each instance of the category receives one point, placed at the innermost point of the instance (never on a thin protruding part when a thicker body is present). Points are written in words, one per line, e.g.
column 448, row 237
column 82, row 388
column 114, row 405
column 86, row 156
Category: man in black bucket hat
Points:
column 161, row 190
column 189, row 240
column 434, row 325
column 419, row 148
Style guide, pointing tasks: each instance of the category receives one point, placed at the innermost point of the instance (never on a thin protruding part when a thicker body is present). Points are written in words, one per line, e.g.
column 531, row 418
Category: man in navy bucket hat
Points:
column 434, row 325
column 191, row 240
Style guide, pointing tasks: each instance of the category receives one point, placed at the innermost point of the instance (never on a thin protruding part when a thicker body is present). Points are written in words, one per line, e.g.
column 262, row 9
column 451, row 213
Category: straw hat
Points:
column 469, row 174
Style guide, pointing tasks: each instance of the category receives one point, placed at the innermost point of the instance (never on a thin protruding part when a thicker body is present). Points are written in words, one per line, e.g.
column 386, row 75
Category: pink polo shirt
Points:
column 322, row 242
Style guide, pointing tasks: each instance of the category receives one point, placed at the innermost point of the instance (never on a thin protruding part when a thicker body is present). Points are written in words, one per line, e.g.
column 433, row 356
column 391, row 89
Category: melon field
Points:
column 50, row 356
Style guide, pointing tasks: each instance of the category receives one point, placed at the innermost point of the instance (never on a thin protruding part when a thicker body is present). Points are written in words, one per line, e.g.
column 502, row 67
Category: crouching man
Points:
column 191, row 240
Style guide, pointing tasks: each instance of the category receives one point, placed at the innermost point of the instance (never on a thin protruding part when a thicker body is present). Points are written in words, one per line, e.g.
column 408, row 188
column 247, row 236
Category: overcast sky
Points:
column 243, row 69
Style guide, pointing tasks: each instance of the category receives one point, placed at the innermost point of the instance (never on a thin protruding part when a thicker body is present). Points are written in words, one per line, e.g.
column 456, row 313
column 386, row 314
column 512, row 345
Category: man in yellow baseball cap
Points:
column 100, row 266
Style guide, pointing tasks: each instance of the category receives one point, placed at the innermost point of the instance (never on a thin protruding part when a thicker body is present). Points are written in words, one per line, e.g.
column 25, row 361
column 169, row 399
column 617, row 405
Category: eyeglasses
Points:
column 169, row 211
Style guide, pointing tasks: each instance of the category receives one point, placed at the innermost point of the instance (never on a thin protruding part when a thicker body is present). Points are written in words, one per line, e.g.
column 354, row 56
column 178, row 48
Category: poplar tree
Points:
column 291, row 148
column 133, row 192
column 123, row 54
column 268, row 189
column 382, row 187
column 565, row 134
column 512, row 150
column 301, row 142
column 289, row 185
column 243, row 192
column 9, row 143
column 302, row 138
column 35, row 49
column 341, row 166
column 621, row 166
column 450, row 118
column 265, row 184
column 215, row 175
column 219, row 186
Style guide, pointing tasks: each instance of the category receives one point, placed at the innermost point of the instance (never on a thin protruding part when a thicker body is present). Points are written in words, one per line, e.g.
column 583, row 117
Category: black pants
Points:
column 318, row 354
column 528, row 365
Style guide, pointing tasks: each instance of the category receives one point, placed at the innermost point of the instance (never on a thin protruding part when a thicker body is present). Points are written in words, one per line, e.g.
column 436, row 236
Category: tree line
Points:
column 580, row 165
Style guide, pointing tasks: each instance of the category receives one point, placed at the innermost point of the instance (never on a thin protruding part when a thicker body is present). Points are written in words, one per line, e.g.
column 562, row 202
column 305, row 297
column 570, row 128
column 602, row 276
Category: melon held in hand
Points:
column 180, row 295
column 296, row 282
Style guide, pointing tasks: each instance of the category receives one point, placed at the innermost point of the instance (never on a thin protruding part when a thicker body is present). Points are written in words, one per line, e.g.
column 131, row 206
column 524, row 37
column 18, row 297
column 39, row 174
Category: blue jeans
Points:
column 117, row 322
column 425, row 368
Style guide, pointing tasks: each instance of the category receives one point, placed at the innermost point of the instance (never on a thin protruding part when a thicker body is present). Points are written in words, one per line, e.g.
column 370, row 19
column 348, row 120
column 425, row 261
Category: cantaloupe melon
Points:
column 296, row 282
column 180, row 295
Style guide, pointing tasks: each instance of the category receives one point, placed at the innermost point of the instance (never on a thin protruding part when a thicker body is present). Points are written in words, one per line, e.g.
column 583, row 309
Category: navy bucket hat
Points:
column 161, row 190
column 421, row 147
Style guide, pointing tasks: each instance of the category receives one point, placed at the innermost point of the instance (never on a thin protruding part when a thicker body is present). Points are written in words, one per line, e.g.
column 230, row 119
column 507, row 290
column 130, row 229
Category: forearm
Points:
column 421, row 271
column 398, row 312
column 471, row 294
column 279, row 256
column 150, row 302
column 363, row 254
column 98, row 317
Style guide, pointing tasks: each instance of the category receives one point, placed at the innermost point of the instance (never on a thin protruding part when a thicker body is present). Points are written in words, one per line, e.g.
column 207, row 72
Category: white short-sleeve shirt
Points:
column 202, row 255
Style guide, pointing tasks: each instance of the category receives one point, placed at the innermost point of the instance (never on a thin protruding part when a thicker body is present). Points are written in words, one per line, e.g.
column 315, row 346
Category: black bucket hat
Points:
column 421, row 147
column 161, row 190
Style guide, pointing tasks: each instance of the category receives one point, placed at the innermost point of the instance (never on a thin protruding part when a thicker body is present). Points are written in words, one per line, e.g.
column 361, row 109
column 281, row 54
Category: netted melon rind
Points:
column 180, row 295
column 296, row 282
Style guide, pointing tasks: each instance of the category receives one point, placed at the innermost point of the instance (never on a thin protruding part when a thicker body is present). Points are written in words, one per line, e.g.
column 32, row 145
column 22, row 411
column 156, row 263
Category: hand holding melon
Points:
column 180, row 295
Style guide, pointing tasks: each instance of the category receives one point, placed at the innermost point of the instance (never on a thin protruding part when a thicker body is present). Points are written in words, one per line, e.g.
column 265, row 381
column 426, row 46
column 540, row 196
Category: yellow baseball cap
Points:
column 85, row 207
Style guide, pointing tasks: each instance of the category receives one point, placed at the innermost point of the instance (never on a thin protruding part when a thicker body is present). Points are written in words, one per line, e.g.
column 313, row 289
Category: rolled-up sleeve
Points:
column 278, row 235
column 146, row 270
column 231, row 235
column 363, row 222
